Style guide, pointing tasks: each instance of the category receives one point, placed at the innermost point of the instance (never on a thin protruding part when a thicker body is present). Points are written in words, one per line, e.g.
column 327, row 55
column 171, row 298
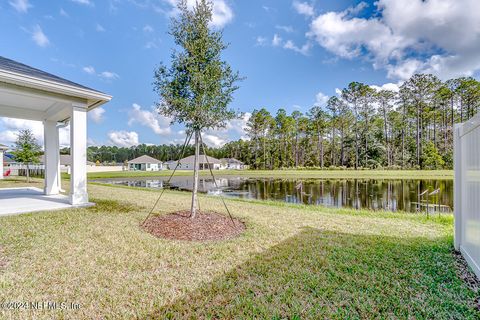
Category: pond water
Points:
column 375, row 194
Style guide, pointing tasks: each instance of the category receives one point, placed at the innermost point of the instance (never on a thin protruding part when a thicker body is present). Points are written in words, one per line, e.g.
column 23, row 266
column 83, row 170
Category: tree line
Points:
column 362, row 127
column 365, row 127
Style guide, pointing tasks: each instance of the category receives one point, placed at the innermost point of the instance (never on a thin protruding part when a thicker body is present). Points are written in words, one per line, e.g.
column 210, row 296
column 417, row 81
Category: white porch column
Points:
column 52, row 157
column 78, row 151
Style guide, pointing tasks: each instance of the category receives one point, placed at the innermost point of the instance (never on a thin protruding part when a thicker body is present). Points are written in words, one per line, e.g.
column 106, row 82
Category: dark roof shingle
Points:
column 20, row 68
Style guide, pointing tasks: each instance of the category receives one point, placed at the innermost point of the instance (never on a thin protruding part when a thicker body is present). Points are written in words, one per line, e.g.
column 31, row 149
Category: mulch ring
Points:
column 206, row 226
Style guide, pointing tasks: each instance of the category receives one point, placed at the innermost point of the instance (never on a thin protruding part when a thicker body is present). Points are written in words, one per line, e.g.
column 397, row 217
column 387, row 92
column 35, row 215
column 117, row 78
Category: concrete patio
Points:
column 29, row 199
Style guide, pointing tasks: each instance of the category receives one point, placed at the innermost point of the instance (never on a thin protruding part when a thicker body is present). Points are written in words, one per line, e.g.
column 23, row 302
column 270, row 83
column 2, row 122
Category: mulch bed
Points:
column 206, row 226
column 464, row 272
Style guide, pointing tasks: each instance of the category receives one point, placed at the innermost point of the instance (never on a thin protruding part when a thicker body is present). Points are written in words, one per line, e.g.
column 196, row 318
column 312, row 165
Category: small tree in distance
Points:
column 27, row 149
column 198, row 86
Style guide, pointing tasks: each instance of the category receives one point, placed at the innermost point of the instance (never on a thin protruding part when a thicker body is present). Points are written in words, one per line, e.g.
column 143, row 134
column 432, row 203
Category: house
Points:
column 170, row 165
column 204, row 163
column 232, row 164
column 145, row 163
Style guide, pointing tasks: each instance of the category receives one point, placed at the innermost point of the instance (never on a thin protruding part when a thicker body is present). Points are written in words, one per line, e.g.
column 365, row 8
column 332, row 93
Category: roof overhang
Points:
column 27, row 97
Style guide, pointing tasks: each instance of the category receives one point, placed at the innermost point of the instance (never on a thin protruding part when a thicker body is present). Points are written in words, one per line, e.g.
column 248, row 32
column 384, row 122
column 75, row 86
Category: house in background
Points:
column 145, row 163
column 232, row 164
column 204, row 163
column 170, row 165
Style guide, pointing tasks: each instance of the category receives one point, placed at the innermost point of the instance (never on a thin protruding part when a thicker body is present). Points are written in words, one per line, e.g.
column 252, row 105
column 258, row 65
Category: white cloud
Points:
column 99, row 28
column 21, row 6
column 97, row 114
column 151, row 119
column 287, row 29
column 305, row 49
column 153, row 44
column 123, row 138
column 83, row 2
column 148, row 28
column 222, row 13
column 407, row 36
column 213, row 140
column 277, row 40
column 63, row 13
column 233, row 130
column 89, row 69
column 39, row 37
column 321, row 99
column 387, row 86
column 304, row 8
column 109, row 75
column 238, row 125
column 347, row 37
column 261, row 41
column 11, row 127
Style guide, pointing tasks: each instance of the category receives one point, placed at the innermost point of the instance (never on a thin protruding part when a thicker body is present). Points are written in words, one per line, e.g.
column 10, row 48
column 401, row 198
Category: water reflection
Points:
column 394, row 195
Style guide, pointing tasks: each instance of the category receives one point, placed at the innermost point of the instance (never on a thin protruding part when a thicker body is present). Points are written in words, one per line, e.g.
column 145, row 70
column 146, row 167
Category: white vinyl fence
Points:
column 467, row 191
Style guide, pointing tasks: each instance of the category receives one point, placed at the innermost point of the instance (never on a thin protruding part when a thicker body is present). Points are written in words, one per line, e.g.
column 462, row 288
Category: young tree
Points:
column 26, row 150
column 198, row 86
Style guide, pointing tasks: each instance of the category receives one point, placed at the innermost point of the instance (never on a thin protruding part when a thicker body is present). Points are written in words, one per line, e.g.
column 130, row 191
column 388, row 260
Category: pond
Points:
column 375, row 194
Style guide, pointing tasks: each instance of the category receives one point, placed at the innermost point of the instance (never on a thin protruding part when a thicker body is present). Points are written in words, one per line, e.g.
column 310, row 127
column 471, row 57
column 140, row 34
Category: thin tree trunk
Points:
column 332, row 147
column 320, row 142
column 356, row 137
column 193, row 210
column 418, row 136
column 264, row 154
column 28, row 173
column 385, row 127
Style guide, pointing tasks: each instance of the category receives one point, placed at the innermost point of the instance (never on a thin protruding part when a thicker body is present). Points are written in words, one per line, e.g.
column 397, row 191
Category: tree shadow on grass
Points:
column 322, row 274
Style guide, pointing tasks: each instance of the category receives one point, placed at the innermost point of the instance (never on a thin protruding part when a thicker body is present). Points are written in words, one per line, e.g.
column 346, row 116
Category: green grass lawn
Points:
column 292, row 262
column 327, row 174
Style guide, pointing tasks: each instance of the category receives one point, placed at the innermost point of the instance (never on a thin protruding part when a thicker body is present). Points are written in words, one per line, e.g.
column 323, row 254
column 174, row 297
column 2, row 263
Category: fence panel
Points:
column 467, row 191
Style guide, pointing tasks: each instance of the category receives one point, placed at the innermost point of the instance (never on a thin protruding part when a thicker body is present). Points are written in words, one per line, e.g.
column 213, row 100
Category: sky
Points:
column 293, row 54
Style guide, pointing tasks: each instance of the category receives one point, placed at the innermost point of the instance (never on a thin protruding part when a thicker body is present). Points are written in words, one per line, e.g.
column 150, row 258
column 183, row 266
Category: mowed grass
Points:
column 292, row 262
column 294, row 174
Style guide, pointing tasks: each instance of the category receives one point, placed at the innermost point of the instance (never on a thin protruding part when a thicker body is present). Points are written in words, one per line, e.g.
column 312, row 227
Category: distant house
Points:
column 204, row 162
column 170, row 165
column 232, row 164
column 145, row 163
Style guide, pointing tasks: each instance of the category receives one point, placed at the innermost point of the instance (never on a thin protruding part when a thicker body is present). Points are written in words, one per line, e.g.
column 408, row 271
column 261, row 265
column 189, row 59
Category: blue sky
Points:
column 293, row 53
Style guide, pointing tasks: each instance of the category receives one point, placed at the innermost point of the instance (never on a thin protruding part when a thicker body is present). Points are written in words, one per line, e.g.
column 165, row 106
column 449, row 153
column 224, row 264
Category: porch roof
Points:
column 33, row 94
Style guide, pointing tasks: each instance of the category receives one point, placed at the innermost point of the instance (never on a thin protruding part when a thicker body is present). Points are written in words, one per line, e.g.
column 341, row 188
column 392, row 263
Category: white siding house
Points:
column 145, row 163
column 232, row 164
column 204, row 163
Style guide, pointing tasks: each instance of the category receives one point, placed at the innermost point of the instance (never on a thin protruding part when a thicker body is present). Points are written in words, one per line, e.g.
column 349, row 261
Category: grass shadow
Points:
column 321, row 274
